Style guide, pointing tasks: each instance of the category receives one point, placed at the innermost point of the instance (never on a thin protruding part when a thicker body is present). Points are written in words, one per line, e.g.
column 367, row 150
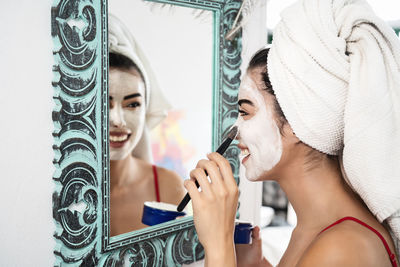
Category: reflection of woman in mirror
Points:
column 319, row 114
column 136, row 106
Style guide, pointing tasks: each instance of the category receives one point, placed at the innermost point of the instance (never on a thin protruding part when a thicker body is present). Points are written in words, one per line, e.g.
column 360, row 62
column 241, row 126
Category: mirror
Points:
column 81, row 199
column 160, row 95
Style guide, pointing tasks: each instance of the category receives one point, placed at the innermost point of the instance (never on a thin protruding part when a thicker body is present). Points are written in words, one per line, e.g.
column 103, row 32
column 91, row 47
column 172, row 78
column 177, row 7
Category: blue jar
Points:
column 153, row 215
column 243, row 233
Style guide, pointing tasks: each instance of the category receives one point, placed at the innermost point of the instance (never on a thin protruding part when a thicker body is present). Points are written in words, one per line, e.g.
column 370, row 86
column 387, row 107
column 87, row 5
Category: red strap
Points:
column 391, row 255
column 156, row 183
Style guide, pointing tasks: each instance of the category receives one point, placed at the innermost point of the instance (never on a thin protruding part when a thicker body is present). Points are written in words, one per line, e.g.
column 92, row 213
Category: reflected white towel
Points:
column 122, row 42
column 335, row 69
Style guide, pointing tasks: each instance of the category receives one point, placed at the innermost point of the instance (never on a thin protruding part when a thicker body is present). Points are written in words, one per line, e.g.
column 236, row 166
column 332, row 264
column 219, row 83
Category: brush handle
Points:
column 221, row 150
column 185, row 200
column 224, row 146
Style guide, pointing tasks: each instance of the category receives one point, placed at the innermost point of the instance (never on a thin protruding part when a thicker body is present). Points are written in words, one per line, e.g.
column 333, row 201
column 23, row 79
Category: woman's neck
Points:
column 319, row 195
column 121, row 170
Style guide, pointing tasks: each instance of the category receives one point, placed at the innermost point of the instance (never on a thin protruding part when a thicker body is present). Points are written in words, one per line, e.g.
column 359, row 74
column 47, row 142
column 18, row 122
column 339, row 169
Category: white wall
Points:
column 26, row 185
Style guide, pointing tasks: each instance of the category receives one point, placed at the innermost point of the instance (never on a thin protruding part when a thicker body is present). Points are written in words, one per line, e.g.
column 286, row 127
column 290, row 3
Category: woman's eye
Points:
column 133, row 105
column 243, row 113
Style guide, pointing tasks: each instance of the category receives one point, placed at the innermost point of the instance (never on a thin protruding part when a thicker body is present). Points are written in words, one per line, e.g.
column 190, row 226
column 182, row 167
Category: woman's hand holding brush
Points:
column 214, row 208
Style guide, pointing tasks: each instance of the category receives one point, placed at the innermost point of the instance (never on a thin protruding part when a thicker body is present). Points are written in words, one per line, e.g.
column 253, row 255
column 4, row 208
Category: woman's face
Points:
column 259, row 137
column 127, row 111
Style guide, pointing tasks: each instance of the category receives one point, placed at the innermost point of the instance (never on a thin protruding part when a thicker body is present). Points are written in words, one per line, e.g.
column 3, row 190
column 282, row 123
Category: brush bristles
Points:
column 232, row 133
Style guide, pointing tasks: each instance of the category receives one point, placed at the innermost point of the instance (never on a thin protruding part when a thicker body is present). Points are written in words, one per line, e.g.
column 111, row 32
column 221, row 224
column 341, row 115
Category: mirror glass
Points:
column 160, row 95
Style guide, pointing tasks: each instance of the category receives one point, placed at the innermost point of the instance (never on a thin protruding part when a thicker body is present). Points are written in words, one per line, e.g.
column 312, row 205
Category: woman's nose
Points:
column 117, row 117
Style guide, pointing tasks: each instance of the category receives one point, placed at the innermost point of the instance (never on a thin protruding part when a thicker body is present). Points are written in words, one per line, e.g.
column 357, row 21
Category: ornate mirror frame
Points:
column 81, row 195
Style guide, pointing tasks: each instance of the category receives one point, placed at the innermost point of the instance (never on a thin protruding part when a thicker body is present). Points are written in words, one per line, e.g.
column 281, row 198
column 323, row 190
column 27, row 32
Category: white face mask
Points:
column 259, row 134
column 127, row 112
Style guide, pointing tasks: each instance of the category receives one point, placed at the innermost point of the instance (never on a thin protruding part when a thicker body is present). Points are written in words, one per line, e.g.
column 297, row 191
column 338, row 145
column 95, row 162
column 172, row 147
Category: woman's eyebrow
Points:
column 132, row 96
column 245, row 101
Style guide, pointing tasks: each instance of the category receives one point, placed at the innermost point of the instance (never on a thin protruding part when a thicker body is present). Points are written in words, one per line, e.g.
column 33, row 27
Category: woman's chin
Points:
column 255, row 174
column 252, row 174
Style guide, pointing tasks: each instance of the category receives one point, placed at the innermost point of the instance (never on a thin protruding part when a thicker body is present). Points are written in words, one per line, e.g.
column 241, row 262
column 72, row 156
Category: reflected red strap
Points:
column 156, row 183
column 391, row 255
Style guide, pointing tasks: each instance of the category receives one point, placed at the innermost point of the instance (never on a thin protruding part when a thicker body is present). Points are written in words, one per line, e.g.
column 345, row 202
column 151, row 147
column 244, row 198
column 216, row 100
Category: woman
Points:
column 136, row 105
column 310, row 118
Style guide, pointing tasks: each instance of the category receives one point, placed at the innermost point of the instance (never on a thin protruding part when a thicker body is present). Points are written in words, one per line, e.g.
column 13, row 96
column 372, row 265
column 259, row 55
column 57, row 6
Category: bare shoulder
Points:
column 168, row 176
column 346, row 244
column 171, row 186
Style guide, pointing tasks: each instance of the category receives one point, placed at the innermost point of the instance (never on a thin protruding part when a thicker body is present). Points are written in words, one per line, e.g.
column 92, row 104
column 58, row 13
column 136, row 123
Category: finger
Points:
column 255, row 233
column 213, row 172
column 255, row 237
column 192, row 189
column 224, row 167
column 199, row 175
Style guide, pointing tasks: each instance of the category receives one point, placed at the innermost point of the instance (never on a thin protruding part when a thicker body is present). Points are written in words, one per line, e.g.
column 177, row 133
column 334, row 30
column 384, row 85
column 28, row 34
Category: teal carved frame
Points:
column 80, row 116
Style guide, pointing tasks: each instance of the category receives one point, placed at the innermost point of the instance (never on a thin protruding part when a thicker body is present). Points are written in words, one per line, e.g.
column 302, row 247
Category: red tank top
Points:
column 392, row 256
column 156, row 183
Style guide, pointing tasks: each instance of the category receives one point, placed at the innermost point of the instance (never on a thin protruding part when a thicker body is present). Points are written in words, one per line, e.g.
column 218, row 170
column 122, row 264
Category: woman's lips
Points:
column 244, row 153
column 245, row 158
column 118, row 139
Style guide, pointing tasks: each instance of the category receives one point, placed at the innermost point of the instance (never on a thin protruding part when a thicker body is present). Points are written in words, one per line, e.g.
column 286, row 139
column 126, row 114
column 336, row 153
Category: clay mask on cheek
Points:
column 135, row 121
column 259, row 134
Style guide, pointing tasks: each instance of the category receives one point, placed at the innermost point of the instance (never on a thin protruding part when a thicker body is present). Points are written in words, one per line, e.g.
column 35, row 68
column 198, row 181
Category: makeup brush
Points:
column 221, row 150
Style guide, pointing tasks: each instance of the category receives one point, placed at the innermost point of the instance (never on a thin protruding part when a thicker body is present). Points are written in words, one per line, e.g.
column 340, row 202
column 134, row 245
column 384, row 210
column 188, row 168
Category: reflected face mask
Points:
column 127, row 112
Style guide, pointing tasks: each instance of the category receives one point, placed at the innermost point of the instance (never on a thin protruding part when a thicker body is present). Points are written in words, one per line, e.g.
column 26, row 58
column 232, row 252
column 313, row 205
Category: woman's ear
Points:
column 289, row 134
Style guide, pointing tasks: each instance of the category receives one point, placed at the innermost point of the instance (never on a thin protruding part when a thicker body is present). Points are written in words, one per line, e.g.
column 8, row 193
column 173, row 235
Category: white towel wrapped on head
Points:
column 335, row 69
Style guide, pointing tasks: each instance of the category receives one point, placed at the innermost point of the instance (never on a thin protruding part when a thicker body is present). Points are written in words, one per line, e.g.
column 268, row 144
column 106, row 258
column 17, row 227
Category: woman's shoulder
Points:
column 345, row 244
column 168, row 176
column 171, row 185
column 161, row 171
